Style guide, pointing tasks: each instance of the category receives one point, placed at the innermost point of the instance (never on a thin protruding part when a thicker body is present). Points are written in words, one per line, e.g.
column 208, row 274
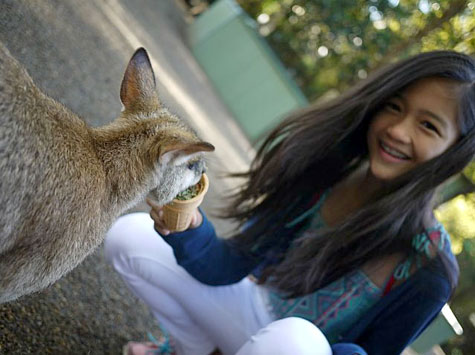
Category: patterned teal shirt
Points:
column 339, row 305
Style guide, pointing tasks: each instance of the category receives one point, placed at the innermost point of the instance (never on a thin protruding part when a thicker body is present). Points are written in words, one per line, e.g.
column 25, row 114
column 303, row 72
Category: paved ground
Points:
column 77, row 52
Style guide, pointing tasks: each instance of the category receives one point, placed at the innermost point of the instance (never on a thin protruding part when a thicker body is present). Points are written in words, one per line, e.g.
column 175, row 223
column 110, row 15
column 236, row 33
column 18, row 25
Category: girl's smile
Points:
column 413, row 127
column 391, row 154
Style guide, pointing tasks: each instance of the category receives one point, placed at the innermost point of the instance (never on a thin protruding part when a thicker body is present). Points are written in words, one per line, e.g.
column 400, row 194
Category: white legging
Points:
column 199, row 317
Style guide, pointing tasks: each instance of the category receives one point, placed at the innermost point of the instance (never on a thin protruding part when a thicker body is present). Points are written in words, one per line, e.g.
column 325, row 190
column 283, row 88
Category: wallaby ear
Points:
column 138, row 91
column 178, row 153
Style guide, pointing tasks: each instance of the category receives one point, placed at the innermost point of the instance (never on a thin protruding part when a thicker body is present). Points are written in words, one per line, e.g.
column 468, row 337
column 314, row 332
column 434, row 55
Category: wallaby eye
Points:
column 192, row 165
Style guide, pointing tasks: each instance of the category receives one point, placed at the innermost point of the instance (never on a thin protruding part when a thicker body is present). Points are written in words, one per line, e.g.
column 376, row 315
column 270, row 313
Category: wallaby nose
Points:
column 203, row 167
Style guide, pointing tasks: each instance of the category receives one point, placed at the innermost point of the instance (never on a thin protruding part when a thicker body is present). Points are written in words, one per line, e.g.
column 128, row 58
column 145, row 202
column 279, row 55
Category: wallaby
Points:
column 63, row 183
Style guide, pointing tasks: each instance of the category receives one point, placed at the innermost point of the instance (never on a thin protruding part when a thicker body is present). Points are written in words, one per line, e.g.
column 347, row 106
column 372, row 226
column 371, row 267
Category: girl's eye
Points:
column 392, row 106
column 431, row 127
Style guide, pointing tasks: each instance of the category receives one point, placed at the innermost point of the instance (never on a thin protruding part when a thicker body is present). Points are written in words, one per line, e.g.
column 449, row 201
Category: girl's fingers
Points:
column 193, row 221
column 151, row 203
column 156, row 213
column 160, row 228
column 196, row 219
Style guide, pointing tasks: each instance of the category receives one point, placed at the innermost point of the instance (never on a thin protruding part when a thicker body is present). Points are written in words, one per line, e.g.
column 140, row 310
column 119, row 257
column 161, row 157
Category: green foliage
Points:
column 458, row 217
column 463, row 302
column 329, row 45
column 189, row 193
column 470, row 172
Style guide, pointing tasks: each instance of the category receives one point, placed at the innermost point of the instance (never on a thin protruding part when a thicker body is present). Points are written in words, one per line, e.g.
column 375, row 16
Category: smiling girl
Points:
column 339, row 250
column 413, row 127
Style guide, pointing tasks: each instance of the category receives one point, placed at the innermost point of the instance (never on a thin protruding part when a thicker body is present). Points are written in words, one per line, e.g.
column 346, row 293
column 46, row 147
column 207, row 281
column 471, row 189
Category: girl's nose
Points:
column 400, row 131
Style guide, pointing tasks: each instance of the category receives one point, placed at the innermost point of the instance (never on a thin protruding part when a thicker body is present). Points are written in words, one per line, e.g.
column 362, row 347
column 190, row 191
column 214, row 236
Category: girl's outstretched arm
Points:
column 209, row 259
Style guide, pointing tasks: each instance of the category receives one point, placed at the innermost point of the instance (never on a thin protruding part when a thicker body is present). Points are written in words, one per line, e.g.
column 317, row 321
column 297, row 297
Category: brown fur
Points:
column 62, row 183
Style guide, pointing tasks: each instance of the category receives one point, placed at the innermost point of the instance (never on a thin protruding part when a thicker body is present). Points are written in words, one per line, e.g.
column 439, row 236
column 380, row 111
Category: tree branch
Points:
column 455, row 8
column 458, row 185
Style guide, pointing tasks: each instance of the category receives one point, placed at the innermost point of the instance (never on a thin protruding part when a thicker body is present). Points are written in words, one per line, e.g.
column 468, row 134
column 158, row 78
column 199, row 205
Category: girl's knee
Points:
column 302, row 334
column 291, row 335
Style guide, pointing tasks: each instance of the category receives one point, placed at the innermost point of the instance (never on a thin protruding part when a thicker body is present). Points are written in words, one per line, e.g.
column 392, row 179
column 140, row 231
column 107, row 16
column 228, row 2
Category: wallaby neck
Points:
column 125, row 155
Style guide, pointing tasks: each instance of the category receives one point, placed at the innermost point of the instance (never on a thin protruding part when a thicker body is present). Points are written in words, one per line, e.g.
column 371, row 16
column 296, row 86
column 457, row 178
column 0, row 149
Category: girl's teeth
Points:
column 393, row 152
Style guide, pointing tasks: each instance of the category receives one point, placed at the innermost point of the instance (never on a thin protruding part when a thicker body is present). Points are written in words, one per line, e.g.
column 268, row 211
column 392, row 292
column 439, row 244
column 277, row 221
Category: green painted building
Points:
column 244, row 70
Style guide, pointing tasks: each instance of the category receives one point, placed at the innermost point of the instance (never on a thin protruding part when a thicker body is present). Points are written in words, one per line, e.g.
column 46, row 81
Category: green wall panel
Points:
column 245, row 72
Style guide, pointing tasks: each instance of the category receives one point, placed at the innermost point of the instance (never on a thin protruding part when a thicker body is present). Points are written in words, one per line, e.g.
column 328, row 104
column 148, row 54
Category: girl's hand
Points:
column 157, row 215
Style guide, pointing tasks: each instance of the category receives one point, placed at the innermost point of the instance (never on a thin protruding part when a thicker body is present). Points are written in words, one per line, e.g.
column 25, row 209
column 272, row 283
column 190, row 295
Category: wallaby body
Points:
column 62, row 183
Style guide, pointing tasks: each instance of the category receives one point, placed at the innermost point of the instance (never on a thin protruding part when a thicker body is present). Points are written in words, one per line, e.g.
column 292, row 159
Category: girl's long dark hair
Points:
column 315, row 148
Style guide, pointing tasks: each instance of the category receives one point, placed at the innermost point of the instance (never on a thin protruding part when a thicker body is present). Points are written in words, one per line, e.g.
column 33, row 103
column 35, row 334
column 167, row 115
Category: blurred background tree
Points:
column 458, row 217
column 329, row 45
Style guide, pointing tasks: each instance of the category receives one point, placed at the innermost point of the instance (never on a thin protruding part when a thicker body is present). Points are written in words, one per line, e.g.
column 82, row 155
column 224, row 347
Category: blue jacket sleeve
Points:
column 208, row 258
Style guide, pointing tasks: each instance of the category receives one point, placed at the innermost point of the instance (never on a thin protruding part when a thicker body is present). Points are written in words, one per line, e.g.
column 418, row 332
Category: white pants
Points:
column 199, row 317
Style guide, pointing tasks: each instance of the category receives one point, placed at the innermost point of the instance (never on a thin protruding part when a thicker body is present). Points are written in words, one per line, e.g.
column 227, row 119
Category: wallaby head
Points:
column 166, row 147
column 180, row 162
column 62, row 183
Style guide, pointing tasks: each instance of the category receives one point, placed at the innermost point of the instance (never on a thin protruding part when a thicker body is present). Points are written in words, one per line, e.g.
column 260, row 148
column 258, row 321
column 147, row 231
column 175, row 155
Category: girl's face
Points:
column 413, row 127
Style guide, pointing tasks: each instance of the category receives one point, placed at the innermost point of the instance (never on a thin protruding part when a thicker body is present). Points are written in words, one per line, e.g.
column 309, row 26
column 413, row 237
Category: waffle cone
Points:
column 177, row 214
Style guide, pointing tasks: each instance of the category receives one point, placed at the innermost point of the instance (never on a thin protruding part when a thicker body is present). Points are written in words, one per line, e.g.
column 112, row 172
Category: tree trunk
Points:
column 458, row 185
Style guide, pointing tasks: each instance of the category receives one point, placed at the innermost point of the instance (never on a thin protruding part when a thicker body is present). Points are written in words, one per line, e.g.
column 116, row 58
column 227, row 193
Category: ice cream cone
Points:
column 177, row 214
